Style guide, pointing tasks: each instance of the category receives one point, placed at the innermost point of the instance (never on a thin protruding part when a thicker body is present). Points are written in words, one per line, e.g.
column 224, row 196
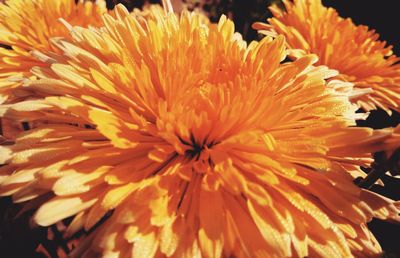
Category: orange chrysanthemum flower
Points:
column 29, row 25
column 200, row 144
column 354, row 51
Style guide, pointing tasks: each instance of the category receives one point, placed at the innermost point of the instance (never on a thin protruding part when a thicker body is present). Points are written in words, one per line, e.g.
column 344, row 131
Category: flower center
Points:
column 196, row 151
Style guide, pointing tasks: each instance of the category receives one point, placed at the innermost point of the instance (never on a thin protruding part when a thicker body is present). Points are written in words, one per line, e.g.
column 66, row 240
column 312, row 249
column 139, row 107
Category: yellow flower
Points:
column 29, row 25
column 354, row 51
column 200, row 144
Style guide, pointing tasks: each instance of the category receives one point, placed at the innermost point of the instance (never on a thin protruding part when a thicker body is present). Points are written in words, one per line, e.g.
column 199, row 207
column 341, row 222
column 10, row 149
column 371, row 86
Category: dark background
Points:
column 383, row 16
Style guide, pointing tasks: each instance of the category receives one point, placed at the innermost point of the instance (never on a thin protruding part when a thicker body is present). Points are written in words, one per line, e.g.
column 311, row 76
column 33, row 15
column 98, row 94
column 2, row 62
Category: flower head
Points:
column 29, row 25
column 200, row 144
column 354, row 51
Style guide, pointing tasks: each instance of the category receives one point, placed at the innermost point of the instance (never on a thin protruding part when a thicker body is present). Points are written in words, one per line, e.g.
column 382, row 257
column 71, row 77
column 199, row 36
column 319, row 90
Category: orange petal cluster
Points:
column 354, row 51
column 28, row 26
column 392, row 143
column 192, row 143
